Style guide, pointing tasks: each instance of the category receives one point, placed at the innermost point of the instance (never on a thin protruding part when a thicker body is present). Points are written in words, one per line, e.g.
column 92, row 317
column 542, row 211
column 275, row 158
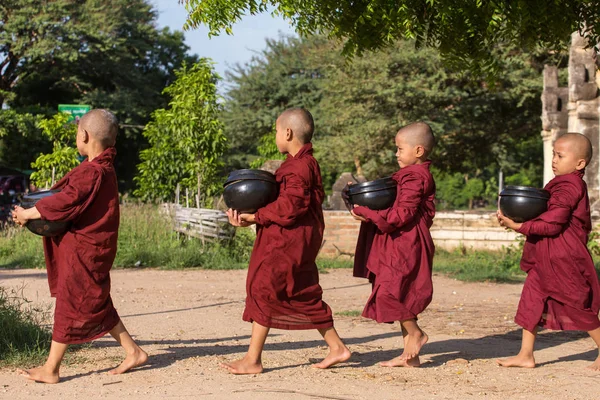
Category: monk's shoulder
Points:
column 86, row 171
column 410, row 175
column 568, row 183
column 296, row 168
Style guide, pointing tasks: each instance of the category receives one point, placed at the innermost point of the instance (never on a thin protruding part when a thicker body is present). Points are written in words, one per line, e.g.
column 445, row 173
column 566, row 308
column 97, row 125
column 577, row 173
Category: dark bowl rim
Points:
column 372, row 186
column 34, row 195
column 525, row 191
column 249, row 174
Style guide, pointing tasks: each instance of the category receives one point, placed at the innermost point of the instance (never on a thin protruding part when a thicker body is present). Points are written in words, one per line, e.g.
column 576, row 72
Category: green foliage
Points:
column 187, row 140
column 465, row 32
column 281, row 76
column 359, row 106
column 267, row 150
column 476, row 266
column 108, row 54
column 63, row 157
column 23, row 340
column 20, row 139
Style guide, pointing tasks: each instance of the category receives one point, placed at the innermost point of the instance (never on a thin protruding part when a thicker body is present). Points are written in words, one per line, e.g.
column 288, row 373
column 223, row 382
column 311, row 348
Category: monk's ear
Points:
column 419, row 151
column 581, row 164
column 289, row 134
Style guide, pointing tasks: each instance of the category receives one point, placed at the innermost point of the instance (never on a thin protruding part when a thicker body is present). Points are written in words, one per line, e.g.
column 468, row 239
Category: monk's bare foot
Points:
column 40, row 374
column 402, row 361
column 139, row 357
column 334, row 357
column 243, row 367
column 595, row 365
column 414, row 344
column 519, row 361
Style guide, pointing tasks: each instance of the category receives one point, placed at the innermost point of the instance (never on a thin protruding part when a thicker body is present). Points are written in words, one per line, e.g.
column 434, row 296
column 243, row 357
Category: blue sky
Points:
column 248, row 35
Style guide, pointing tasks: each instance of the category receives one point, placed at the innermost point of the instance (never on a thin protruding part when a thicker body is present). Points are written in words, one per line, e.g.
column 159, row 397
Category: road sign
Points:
column 76, row 111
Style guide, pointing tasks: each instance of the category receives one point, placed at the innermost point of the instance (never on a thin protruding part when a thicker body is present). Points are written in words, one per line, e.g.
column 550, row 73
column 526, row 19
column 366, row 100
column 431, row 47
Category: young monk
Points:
column 79, row 261
column 561, row 291
column 395, row 249
column 282, row 287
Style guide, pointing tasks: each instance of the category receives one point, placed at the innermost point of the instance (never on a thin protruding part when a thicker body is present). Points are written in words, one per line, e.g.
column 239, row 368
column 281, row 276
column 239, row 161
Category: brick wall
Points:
column 477, row 230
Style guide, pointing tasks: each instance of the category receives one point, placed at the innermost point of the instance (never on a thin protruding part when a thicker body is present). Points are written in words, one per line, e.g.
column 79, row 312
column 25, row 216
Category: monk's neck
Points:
column 93, row 153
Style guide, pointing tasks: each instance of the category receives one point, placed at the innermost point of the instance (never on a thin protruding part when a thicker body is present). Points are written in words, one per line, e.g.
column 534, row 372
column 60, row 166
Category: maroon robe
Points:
column 79, row 261
column 395, row 249
column 282, row 289
column 561, row 290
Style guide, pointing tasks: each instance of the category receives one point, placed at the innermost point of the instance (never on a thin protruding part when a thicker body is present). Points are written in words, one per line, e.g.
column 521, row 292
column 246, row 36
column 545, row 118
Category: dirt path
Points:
column 190, row 321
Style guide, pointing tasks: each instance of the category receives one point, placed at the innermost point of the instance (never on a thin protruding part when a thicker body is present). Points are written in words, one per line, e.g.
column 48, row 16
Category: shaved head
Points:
column 101, row 125
column 418, row 134
column 579, row 144
column 300, row 121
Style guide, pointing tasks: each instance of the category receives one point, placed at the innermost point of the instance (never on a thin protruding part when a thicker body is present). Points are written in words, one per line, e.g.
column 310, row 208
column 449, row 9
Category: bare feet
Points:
column 334, row 357
column 402, row 361
column 243, row 367
column 519, row 361
column 40, row 374
column 414, row 344
column 139, row 357
column 595, row 365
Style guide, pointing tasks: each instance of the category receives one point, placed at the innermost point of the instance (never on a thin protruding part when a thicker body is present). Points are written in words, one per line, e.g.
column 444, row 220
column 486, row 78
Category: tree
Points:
column 187, row 140
column 21, row 139
column 108, row 54
column 359, row 106
column 464, row 31
column 52, row 167
column 281, row 76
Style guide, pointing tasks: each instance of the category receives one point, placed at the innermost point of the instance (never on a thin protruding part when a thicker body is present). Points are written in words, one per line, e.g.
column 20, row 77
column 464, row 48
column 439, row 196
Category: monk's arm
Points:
column 560, row 207
column 404, row 209
column 293, row 202
column 71, row 201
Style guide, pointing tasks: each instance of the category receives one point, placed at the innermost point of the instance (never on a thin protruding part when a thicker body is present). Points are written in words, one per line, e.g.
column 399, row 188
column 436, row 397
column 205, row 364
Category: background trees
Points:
column 464, row 31
column 359, row 106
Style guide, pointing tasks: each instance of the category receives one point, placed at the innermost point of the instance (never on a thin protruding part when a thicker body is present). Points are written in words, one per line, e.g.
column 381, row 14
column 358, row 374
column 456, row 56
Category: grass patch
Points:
column 23, row 338
column 145, row 239
column 324, row 264
column 349, row 313
column 478, row 266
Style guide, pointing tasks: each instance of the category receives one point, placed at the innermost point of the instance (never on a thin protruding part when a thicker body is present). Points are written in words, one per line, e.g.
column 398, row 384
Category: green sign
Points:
column 75, row 110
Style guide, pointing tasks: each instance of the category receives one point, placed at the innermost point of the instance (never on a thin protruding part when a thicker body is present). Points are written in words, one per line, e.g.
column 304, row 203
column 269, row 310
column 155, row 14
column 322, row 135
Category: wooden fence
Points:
column 201, row 223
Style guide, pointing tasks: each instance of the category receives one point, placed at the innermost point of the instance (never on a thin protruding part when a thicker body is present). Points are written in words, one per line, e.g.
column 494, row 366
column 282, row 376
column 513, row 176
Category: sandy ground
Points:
column 190, row 321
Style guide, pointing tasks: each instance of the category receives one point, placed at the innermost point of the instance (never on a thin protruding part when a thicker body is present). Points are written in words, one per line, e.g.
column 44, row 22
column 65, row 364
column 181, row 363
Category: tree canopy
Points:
column 464, row 31
column 359, row 106
column 108, row 54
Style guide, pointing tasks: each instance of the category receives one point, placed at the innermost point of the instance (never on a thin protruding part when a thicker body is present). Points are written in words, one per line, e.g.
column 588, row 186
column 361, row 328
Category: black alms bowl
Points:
column 41, row 226
column 377, row 195
column 247, row 190
column 522, row 203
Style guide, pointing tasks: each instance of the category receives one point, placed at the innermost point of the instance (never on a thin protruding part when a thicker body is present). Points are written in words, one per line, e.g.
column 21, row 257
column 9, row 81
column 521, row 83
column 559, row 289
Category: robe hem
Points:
column 288, row 327
column 80, row 341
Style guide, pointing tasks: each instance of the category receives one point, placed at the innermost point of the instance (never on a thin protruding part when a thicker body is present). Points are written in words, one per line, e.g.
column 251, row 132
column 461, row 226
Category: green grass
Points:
column 145, row 239
column 480, row 266
column 349, row 313
column 23, row 338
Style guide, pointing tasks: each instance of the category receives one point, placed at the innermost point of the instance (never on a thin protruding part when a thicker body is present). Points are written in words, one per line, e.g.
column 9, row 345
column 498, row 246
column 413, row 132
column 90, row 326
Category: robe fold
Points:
column 395, row 249
column 282, row 288
column 79, row 261
column 561, row 291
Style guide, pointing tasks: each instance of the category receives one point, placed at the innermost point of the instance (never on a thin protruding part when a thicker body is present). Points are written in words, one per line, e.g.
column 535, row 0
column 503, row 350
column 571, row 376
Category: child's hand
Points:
column 248, row 218
column 236, row 219
column 357, row 217
column 19, row 216
column 507, row 222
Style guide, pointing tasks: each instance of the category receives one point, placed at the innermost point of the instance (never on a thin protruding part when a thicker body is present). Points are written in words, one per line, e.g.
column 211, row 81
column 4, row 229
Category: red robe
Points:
column 561, row 290
column 395, row 249
column 282, row 289
column 79, row 261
